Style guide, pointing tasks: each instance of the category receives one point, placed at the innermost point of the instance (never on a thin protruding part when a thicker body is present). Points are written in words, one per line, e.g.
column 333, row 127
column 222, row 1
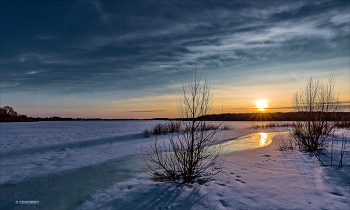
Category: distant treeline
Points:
column 56, row 118
column 8, row 114
column 276, row 116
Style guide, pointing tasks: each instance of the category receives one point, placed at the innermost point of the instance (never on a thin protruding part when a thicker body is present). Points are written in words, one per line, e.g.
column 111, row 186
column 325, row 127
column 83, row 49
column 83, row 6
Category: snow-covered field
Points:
column 35, row 149
column 98, row 165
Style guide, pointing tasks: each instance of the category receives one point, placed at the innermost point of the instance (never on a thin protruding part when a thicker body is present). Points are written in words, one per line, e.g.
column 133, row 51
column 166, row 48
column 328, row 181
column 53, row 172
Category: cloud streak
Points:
column 149, row 111
column 172, row 37
column 79, row 47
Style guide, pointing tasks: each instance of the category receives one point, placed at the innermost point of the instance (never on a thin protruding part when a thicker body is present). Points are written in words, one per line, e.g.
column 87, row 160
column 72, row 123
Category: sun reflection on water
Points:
column 247, row 142
column 263, row 139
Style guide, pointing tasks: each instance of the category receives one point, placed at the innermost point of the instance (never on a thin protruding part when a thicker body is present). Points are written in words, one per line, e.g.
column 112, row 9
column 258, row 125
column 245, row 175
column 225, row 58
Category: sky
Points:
column 129, row 59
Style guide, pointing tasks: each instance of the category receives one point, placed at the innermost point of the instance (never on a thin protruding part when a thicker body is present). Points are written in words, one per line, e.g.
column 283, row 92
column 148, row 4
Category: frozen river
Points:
column 61, row 164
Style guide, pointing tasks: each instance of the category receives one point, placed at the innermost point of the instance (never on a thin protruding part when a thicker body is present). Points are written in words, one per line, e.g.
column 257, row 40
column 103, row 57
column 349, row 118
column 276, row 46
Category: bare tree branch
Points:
column 316, row 107
column 188, row 158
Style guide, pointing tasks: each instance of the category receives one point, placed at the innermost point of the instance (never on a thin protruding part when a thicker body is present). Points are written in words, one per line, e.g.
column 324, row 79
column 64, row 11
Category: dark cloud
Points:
column 82, row 46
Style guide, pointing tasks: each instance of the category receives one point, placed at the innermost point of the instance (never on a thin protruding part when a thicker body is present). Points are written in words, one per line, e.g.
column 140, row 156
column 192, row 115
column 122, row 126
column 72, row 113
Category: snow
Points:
column 18, row 136
column 35, row 149
column 98, row 165
column 263, row 178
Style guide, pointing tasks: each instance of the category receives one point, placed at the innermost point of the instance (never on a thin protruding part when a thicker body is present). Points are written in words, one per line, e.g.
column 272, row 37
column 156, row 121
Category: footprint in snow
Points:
column 224, row 204
column 266, row 156
column 238, row 180
column 336, row 194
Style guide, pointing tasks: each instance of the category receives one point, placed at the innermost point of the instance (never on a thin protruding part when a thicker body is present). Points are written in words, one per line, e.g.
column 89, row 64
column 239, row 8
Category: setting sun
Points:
column 261, row 105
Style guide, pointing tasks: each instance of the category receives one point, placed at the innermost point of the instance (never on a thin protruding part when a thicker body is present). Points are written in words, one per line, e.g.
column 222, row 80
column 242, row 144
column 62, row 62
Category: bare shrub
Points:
column 175, row 126
column 225, row 127
column 342, row 124
column 272, row 125
column 315, row 107
column 167, row 127
column 285, row 144
column 337, row 124
column 342, row 148
column 147, row 133
column 188, row 157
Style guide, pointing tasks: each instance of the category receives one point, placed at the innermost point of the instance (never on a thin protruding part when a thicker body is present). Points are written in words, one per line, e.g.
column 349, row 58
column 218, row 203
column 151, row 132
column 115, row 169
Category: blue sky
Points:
column 128, row 59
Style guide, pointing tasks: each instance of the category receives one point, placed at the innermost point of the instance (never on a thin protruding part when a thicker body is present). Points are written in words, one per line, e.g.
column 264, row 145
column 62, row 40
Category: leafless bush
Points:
column 204, row 126
column 147, row 133
column 342, row 148
column 188, row 157
column 337, row 124
column 167, row 127
column 343, row 124
column 314, row 105
column 175, row 127
column 272, row 125
column 225, row 127
column 285, row 144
